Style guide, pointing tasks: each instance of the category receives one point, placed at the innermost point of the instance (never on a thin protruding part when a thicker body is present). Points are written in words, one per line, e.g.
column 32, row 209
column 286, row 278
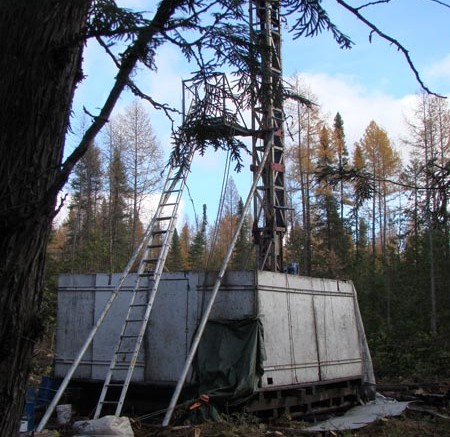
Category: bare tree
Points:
column 430, row 138
column 142, row 156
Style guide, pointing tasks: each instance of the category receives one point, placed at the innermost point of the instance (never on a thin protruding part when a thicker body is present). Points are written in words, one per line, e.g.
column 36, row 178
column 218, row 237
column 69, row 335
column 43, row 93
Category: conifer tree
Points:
column 332, row 240
column 175, row 262
column 118, row 213
column 342, row 157
column 244, row 257
column 197, row 249
column 82, row 225
column 304, row 130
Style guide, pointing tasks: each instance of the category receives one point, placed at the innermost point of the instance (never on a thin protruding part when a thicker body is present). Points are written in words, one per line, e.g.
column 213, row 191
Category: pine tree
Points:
column 383, row 162
column 294, row 245
column 175, row 262
column 244, row 257
column 185, row 243
column 118, row 214
column 197, row 249
column 342, row 157
column 332, row 256
column 82, row 224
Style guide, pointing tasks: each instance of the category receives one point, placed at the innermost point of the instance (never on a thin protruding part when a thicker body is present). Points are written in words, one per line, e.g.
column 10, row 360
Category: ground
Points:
column 428, row 416
column 408, row 425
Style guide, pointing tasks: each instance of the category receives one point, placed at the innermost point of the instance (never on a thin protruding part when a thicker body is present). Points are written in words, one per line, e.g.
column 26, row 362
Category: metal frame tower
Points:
column 267, row 123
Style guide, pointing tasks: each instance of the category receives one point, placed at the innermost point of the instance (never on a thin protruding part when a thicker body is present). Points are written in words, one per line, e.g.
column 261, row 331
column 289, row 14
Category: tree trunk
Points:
column 41, row 47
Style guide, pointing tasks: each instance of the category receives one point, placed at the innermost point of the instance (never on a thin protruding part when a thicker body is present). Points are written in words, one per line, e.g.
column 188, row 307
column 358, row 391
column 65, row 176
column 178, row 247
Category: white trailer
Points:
column 313, row 335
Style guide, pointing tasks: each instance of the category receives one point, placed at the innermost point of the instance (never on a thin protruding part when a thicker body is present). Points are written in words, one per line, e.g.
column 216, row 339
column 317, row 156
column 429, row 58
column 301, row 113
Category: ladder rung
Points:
column 168, row 217
column 160, row 232
column 130, row 336
column 154, row 246
column 168, row 204
column 109, row 402
column 114, row 384
column 122, row 366
column 138, row 305
column 147, row 275
column 171, row 191
column 134, row 320
column 150, row 260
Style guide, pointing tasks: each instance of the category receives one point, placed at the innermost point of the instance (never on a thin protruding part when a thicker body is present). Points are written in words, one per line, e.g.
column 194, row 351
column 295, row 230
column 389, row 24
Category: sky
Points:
column 372, row 81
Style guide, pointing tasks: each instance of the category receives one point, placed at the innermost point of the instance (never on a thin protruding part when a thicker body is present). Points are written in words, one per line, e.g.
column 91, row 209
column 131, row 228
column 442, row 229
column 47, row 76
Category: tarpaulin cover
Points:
column 229, row 361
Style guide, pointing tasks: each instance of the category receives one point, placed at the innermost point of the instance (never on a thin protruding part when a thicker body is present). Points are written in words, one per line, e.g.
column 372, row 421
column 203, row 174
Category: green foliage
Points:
column 411, row 354
column 108, row 20
column 313, row 20
column 408, row 253
column 197, row 250
column 243, row 254
column 175, row 261
column 200, row 134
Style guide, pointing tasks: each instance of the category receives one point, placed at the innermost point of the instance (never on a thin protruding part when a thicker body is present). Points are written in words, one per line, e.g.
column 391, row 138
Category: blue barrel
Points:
column 293, row 269
column 47, row 390
column 28, row 411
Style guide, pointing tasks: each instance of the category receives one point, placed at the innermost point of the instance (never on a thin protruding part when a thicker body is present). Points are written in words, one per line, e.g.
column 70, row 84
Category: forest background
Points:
column 359, row 211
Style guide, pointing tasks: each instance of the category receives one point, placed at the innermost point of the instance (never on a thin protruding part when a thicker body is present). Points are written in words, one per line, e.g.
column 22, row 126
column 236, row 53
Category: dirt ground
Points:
column 428, row 415
column 432, row 423
column 408, row 425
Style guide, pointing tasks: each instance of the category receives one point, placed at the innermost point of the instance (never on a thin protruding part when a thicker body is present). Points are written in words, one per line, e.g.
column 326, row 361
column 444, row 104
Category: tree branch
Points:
column 400, row 47
column 135, row 89
column 372, row 4
column 136, row 51
column 313, row 20
column 440, row 3
column 168, row 110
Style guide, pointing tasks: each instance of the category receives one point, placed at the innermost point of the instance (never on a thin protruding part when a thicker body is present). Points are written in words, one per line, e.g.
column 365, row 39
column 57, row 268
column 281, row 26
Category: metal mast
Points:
column 267, row 121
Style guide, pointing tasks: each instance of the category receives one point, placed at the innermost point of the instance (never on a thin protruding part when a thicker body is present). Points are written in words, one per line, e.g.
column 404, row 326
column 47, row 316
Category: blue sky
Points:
column 372, row 81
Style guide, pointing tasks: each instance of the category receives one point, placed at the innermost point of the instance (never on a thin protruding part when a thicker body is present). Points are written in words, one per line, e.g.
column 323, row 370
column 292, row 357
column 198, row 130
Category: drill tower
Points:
column 267, row 123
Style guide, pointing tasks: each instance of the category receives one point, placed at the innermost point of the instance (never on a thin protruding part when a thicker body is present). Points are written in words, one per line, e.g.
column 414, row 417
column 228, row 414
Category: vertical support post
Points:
column 267, row 121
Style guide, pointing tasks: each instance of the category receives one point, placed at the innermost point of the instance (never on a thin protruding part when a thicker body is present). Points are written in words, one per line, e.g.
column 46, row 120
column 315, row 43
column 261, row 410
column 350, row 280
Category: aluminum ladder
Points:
column 151, row 265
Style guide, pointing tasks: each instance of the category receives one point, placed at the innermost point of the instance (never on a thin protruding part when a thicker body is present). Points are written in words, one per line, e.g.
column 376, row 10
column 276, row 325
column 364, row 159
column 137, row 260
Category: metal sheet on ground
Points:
column 362, row 415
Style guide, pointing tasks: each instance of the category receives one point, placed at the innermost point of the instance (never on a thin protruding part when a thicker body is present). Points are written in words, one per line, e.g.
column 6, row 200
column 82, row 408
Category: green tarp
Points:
column 229, row 361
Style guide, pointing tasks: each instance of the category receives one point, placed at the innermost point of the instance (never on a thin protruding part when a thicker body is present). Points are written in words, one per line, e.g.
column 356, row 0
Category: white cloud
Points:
column 358, row 106
column 439, row 71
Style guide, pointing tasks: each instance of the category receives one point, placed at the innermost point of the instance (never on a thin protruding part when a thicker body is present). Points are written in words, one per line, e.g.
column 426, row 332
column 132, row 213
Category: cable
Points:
column 193, row 206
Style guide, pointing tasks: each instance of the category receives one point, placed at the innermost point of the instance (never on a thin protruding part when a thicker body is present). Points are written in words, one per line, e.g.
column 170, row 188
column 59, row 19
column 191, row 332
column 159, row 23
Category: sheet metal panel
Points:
column 310, row 329
column 338, row 339
column 108, row 334
column 171, row 327
column 236, row 298
column 75, row 317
